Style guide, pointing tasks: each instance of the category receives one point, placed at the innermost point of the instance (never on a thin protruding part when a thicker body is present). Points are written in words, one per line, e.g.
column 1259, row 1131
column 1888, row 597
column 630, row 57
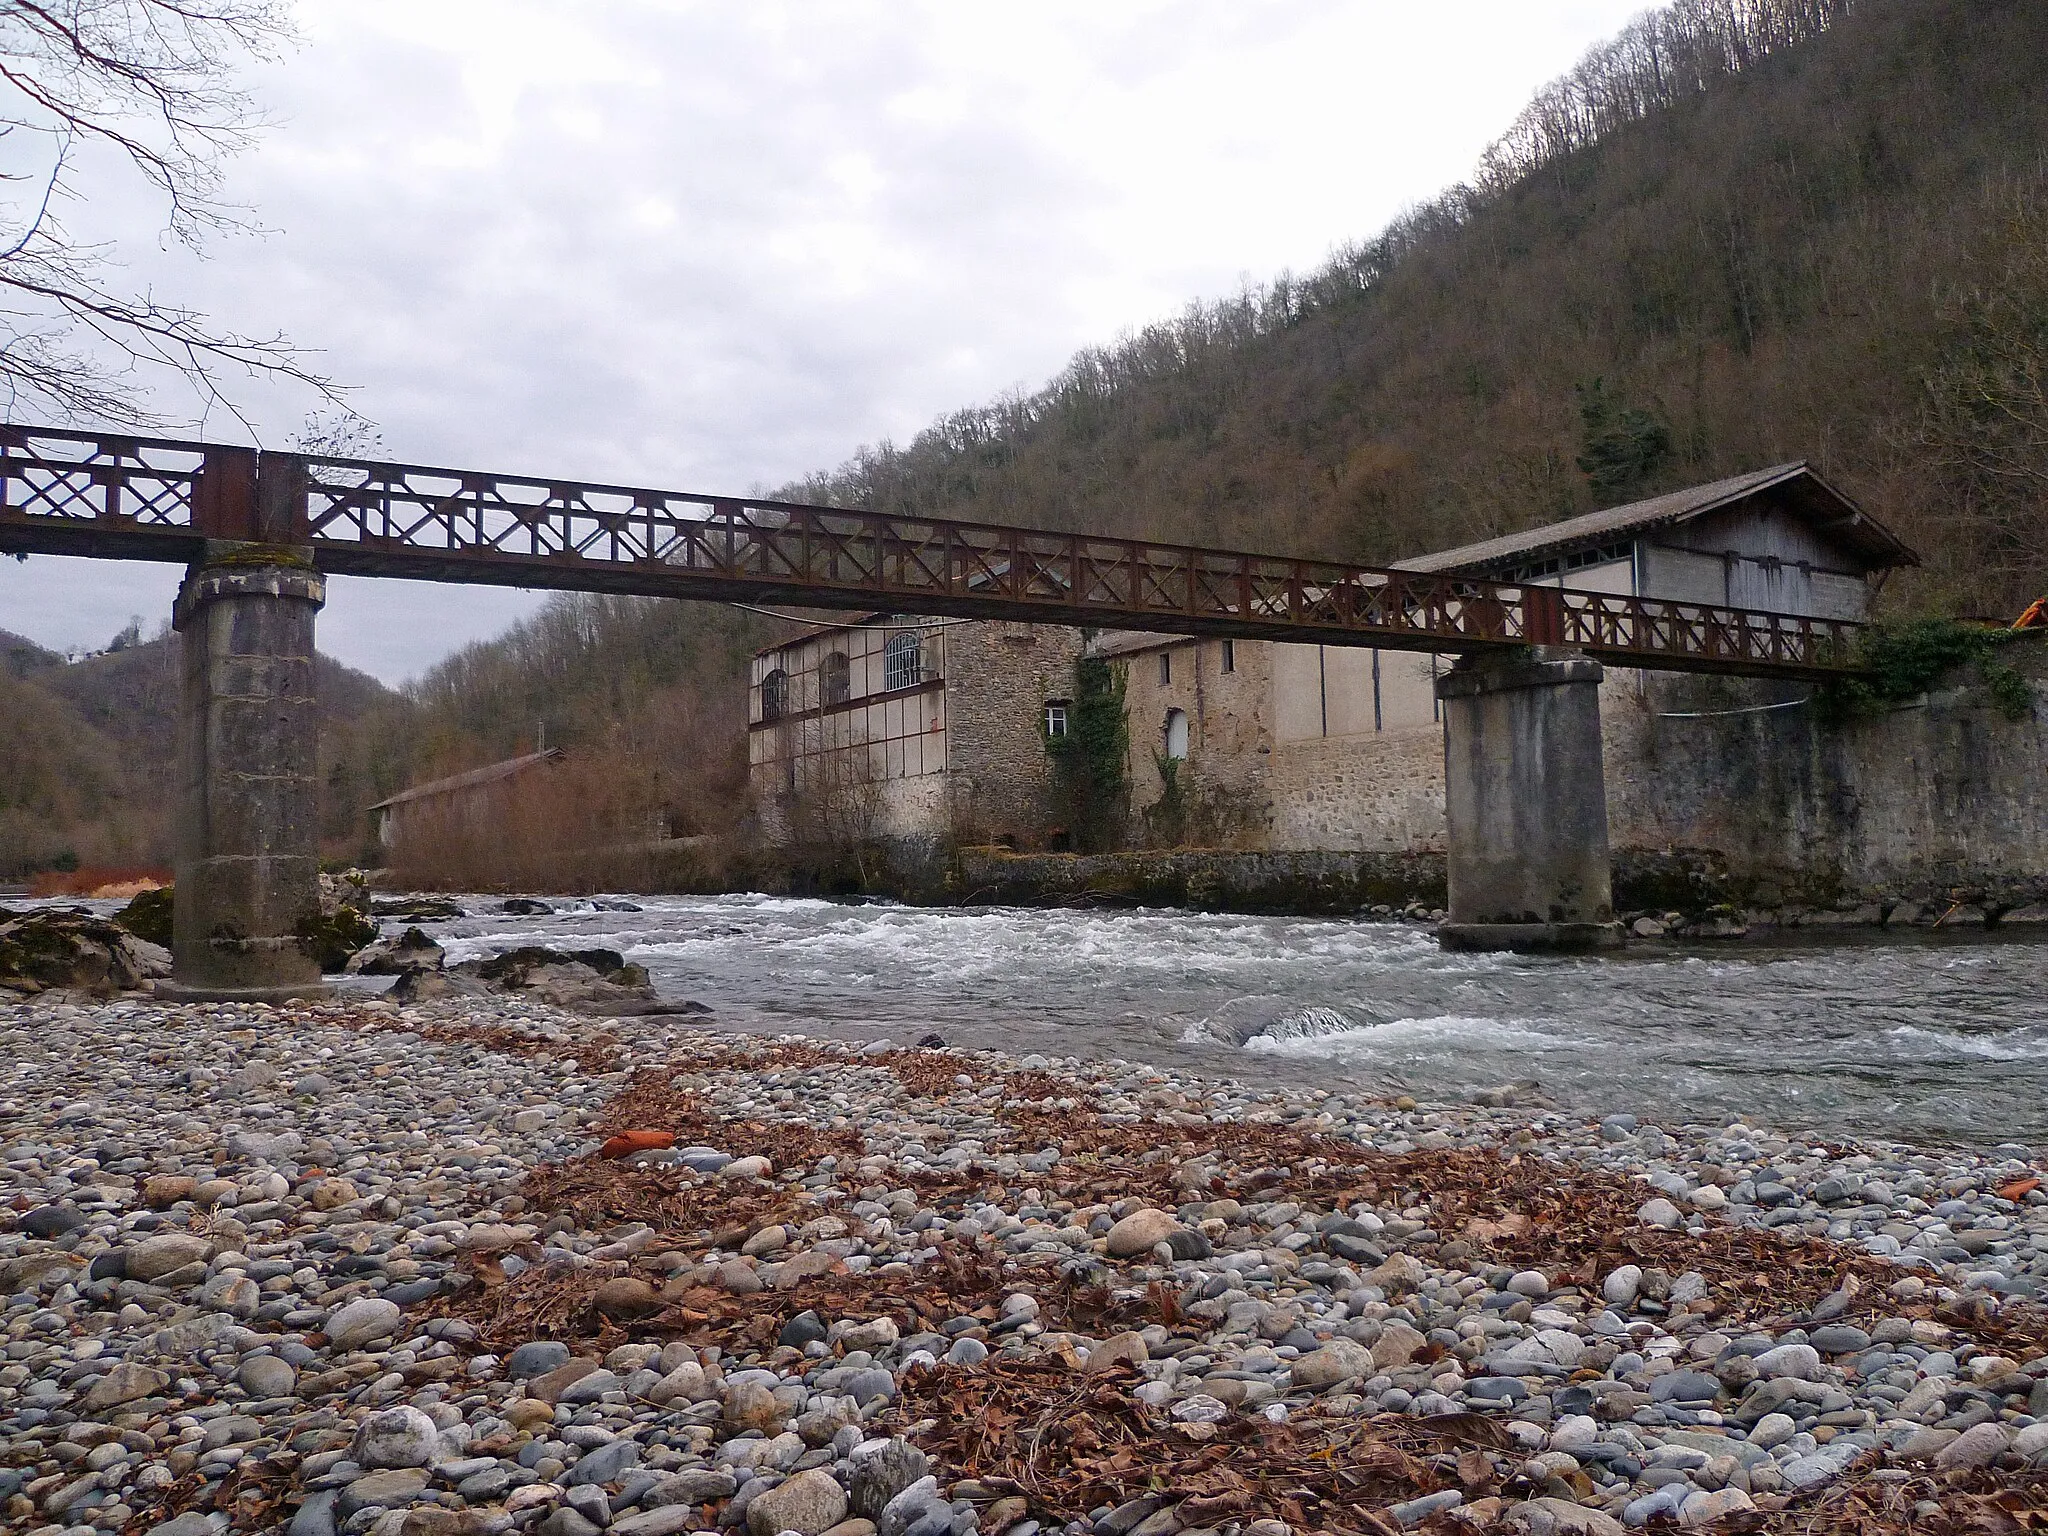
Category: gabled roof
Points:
column 1796, row 487
column 489, row 773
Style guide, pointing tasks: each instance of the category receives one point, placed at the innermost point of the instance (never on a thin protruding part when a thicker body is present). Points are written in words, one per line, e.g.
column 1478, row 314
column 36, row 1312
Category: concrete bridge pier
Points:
column 1525, row 800
column 248, row 878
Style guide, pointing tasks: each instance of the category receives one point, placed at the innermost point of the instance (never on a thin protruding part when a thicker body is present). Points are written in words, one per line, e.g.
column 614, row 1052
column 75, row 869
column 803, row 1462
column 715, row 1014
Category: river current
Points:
column 1935, row 1037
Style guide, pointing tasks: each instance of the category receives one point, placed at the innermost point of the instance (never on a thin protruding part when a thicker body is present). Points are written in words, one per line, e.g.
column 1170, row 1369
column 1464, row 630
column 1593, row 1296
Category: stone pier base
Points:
column 248, row 880
column 1525, row 804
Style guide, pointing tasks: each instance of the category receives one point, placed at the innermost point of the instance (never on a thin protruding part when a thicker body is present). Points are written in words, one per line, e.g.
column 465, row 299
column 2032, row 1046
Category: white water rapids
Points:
column 1928, row 1037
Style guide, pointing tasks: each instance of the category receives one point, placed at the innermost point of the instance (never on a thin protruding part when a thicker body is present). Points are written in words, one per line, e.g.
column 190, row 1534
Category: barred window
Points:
column 775, row 695
column 902, row 661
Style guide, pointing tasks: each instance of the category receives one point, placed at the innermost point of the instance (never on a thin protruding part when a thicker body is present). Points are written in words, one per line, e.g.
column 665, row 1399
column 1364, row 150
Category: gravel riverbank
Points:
column 351, row 1268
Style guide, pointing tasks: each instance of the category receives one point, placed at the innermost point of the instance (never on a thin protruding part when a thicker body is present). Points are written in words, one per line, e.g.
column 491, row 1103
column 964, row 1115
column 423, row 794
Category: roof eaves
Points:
column 820, row 627
column 1663, row 511
column 470, row 778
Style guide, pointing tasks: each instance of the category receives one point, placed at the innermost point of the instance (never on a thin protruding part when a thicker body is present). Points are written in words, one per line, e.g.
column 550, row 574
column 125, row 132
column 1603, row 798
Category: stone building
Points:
column 1261, row 745
column 908, row 730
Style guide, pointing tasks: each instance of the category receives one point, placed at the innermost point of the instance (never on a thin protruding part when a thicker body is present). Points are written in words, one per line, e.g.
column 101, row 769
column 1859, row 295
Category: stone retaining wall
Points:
column 1207, row 879
column 1699, row 884
column 1945, row 795
column 1943, row 798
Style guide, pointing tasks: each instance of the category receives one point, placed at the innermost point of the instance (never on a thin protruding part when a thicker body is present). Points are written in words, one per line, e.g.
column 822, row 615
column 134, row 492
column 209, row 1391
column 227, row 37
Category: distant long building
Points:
column 465, row 802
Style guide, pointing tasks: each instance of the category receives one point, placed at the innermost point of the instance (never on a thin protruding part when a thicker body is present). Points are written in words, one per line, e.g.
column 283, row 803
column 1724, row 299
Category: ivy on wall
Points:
column 1090, row 779
column 1166, row 819
column 1905, row 660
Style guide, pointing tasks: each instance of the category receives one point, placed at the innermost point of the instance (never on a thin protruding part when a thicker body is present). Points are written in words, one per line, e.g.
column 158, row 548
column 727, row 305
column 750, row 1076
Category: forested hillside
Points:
column 647, row 698
column 1739, row 234
column 88, row 756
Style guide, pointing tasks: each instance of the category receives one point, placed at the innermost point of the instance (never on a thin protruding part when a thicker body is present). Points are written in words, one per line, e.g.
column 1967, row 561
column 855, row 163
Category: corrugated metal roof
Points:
column 1801, row 490
column 489, row 773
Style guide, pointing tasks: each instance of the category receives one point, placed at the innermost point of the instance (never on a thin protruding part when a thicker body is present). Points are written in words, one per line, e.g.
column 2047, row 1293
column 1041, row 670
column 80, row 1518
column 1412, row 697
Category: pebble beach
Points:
column 486, row 1265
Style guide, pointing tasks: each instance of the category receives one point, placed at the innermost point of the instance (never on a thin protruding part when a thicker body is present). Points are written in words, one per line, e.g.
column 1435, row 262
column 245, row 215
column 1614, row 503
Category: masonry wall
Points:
column 1217, row 880
column 1229, row 713
column 1942, row 796
column 999, row 777
column 1376, row 793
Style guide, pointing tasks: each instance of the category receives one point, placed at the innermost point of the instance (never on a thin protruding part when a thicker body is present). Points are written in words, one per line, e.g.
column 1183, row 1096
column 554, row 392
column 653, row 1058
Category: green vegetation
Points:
column 1166, row 819
column 331, row 937
column 1091, row 787
column 1907, row 659
column 148, row 915
column 287, row 555
column 1626, row 447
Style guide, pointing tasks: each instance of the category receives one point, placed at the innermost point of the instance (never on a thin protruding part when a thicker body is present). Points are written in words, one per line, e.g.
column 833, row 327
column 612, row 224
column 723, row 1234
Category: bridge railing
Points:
column 156, row 498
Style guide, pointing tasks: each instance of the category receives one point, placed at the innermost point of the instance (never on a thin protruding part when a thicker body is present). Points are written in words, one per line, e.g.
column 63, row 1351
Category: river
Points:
column 1935, row 1037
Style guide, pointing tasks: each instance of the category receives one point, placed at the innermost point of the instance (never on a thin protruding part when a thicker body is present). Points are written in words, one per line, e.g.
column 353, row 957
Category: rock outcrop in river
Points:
column 70, row 949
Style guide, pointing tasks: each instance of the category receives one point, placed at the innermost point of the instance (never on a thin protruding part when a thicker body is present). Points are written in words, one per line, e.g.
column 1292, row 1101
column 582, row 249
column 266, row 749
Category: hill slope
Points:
column 88, row 762
column 1827, row 248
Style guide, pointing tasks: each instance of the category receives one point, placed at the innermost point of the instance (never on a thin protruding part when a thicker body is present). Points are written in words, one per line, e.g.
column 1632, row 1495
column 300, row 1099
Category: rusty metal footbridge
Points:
column 139, row 498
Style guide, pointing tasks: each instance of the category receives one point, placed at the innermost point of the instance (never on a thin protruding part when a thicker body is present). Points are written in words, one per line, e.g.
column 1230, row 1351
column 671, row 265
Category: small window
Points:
column 1056, row 717
column 775, row 695
column 1230, row 655
column 1177, row 733
column 835, row 679
column 1165, row 668
column 902, row 662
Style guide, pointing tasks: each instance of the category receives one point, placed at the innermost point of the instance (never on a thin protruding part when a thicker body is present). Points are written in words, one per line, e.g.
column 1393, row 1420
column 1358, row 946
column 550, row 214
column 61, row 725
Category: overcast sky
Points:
column 717, row 246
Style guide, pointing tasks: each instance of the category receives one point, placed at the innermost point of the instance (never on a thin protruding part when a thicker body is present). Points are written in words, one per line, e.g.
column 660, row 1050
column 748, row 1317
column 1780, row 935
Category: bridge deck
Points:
column 133, row 498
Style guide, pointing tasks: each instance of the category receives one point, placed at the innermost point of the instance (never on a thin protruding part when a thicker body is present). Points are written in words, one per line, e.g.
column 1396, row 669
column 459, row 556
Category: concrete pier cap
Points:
column 1525, row 802
column 248, row 873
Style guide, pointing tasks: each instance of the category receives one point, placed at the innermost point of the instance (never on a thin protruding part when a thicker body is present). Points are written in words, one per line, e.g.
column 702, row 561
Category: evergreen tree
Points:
column 1625, row 447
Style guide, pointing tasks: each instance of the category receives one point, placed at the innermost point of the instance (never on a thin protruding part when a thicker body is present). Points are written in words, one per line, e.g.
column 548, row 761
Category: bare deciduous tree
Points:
column 92, row 91
column 1985, row 423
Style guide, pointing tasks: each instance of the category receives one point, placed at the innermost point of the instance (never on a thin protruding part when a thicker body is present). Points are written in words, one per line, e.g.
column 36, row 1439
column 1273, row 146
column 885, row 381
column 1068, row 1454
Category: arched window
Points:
column 902, row 662
column 835, row 679
column 1177, row 733
column 774, row 695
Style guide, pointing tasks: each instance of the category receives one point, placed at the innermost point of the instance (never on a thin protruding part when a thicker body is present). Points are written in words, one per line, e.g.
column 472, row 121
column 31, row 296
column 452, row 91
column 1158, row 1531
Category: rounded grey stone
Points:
column 535, row 1358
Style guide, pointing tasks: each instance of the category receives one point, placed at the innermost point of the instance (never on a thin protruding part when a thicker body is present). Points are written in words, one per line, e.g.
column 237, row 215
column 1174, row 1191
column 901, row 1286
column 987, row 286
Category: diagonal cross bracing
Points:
column 161, row 499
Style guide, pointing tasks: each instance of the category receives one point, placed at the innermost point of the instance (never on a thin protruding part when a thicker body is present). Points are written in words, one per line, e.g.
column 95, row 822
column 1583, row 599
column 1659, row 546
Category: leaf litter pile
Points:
column 1053, row 1438
column 1068, row 1441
